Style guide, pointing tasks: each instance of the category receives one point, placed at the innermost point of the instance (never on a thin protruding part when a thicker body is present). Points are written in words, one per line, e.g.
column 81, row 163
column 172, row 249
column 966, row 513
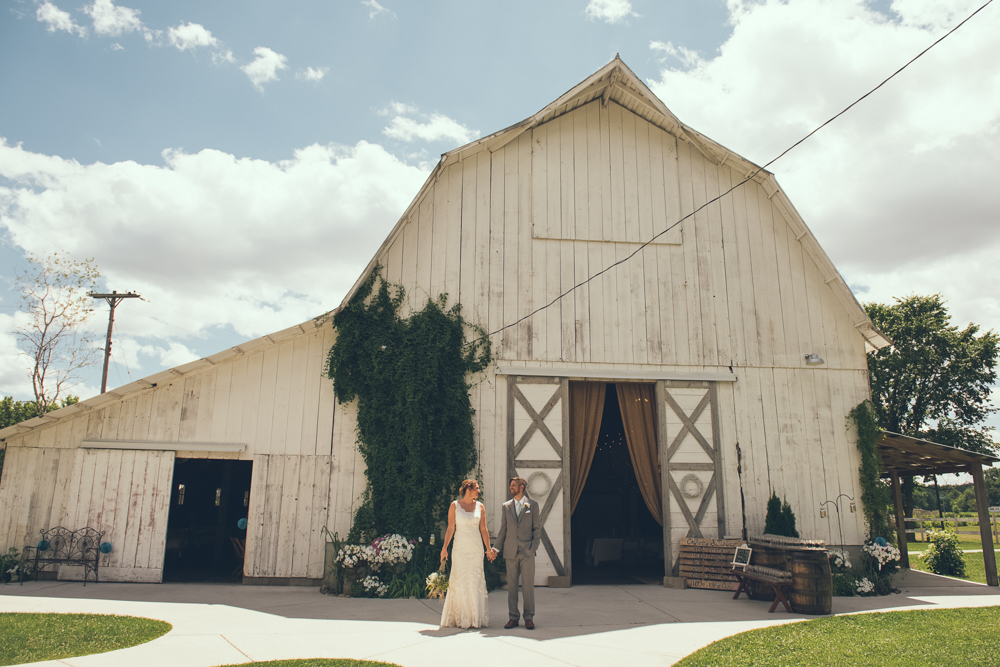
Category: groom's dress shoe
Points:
column 530, row 624
column 513, row 624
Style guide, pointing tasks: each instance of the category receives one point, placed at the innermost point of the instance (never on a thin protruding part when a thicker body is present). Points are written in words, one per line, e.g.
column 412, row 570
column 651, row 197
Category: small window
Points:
column 180, row 494
column 218, row 497
column 246, row 498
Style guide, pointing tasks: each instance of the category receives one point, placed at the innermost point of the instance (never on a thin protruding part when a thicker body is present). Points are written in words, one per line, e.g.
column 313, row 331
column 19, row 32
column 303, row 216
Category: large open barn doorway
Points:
column 205, row 537
column 615, row 537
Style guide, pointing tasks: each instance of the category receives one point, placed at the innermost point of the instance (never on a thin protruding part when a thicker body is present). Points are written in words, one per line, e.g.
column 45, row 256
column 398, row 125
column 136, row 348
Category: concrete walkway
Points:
column 218, row 624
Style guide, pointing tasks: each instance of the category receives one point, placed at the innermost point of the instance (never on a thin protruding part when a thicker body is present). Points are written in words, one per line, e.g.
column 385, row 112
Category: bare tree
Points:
column 53, row 294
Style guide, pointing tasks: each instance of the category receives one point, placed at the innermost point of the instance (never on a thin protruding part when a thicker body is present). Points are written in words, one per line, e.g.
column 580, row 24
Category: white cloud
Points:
column 377, row 9
column 265, row 67
column 15, row 371
column 117, row 47
column 437, row 127
column 610, row 11
column 210, row 240
column 312, row 73
column 686, row 56
column 191, row 36
column 223, row 57
column 900, row 191
column 57, row 19
column 111, row 20
column 397, row 108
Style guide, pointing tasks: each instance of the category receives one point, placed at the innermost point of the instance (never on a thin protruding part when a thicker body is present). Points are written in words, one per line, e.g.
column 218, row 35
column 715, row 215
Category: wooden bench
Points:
column 779, row 580
column 62, row 546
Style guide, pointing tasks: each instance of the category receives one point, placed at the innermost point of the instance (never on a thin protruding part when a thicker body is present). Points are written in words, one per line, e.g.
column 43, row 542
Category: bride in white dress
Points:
column 466, row 604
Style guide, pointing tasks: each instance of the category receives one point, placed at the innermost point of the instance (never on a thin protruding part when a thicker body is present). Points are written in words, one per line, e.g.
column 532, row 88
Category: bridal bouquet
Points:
column 437, row 584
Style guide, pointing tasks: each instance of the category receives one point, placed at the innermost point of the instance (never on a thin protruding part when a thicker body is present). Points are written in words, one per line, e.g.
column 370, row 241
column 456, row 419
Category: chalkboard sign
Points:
column 742, row 557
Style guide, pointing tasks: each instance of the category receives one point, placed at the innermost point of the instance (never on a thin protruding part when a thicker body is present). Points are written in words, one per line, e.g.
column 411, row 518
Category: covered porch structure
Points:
column 903, row 455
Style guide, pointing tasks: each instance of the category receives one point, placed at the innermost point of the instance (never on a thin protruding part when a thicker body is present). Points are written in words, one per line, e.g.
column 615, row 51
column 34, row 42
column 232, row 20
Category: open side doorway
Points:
column 205, row 536
column 616, row 539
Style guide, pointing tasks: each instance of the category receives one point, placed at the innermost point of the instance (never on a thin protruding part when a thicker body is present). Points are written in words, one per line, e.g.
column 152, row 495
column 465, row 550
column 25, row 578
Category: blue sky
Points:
column 239, row 164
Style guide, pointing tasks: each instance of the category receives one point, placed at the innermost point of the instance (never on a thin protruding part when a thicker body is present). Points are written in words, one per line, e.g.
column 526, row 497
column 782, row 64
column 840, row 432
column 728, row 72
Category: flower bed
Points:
column 872, row 575
column 378, row 569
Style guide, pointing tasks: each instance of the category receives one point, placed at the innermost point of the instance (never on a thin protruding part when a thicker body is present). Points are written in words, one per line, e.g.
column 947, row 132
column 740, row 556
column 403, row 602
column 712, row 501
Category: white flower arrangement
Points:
column 840, row 558
column 389, row 549
column 865, row 586
column 372, row 582
column 882, row 554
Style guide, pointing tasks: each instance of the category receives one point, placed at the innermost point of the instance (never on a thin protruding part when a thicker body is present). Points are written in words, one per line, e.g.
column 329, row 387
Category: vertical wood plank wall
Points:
column 735, row 287
column 732, row 287
column 273, row 399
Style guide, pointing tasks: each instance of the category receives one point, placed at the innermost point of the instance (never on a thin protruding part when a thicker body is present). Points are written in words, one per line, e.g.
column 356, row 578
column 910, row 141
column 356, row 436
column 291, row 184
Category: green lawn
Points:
column 946, row 637
column 319, row 662
column 975, row 567
column 36, row 637
column 964, row 542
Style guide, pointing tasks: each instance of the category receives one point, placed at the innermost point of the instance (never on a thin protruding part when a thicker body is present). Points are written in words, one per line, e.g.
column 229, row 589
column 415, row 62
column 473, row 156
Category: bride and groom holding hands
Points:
column 518, row 538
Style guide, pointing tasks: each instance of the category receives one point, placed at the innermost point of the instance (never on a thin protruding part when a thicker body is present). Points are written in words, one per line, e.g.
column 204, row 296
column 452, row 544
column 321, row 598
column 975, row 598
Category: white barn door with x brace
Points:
column 690, row 465
column 537, row 450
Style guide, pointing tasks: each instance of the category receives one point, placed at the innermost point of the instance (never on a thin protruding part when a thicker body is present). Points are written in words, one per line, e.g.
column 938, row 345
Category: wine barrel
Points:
column 766, row 557
column 812, row 582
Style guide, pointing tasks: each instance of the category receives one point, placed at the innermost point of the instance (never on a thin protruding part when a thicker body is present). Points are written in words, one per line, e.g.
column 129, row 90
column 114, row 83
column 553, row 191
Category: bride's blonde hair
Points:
column 466, row 485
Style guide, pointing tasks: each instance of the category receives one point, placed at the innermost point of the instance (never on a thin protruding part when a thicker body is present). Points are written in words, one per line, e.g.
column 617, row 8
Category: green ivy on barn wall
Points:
column 875, row 494
column 411, row 380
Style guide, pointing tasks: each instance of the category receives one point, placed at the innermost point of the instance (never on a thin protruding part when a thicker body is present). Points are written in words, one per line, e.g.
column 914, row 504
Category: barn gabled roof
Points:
column 616, row 82
column 613, row 82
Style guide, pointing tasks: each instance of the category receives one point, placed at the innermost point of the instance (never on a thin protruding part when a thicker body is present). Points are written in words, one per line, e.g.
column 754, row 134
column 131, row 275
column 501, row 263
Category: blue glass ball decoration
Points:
column 242, row 523
column 43, row 545
column 106, row 547
column 880, row 541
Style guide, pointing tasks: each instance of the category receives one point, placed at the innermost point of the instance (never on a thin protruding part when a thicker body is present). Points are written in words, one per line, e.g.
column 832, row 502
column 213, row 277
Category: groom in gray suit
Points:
column 519, row 544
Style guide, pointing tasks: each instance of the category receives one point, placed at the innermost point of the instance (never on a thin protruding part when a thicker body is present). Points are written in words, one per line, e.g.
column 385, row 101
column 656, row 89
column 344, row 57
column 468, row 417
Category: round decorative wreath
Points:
column 539, row 484
column 242, row 524
column 691, row 486
column 106, row 547
column 43, row 545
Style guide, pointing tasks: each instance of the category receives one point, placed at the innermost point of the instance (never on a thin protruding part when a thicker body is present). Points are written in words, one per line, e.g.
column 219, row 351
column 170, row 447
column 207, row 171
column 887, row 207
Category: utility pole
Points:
column 113, row 300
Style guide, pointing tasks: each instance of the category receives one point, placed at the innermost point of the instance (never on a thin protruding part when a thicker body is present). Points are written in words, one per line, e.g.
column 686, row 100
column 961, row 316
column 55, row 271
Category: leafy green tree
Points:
column 53, row 294
column 934, row 382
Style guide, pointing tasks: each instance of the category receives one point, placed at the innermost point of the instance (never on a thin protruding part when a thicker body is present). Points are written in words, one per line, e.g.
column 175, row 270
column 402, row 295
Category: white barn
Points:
column 714, row 320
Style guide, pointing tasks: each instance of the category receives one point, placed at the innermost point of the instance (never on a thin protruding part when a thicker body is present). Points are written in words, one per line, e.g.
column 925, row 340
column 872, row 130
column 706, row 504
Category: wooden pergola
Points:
column 903, row 455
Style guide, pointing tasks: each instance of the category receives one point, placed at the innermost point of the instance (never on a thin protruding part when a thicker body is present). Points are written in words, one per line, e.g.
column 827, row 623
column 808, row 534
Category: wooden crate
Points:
column 707, row 563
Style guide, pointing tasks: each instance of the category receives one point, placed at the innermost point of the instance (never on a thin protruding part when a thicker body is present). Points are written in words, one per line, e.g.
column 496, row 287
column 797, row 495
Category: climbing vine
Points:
column 875, row 495
column 411, row 381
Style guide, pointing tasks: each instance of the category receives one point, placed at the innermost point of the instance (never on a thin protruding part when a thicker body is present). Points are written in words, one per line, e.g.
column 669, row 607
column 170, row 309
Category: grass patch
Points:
column 964, row 542
column 36, row 637
column 319, row 662
column 890, row 639
column 975, row 566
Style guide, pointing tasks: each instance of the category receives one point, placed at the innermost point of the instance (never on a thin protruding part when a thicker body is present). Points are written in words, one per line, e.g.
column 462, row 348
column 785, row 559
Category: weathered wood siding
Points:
column 736, row 285
column 739, row 287
column 272, row 397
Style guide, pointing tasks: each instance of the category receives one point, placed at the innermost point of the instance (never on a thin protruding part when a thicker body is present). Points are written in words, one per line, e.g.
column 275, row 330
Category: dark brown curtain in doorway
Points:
column 638, row 405
column 586, row 409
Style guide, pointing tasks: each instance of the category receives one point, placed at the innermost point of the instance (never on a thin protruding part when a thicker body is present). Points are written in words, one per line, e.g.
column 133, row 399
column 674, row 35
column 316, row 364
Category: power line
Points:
column 744, row 181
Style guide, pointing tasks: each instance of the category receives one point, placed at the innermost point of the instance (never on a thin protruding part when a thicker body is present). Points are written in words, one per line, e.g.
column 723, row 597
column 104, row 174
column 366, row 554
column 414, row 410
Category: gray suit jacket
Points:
column 525, row 532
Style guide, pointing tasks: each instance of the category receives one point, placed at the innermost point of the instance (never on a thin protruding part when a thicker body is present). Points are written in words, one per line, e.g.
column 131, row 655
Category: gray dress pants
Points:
column 521, row 570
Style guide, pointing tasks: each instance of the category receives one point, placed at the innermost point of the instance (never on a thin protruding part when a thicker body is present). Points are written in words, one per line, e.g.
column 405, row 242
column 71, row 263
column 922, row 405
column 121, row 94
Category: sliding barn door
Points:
column 691, row 465
column 537, row 450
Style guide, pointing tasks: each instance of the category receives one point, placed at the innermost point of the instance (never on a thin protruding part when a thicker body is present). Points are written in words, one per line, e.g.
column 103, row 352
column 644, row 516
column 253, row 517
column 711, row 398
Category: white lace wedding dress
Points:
column 465, row 605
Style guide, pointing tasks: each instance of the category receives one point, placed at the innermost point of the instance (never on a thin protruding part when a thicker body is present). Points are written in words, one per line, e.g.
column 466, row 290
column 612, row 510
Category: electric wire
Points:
column 744, row 181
